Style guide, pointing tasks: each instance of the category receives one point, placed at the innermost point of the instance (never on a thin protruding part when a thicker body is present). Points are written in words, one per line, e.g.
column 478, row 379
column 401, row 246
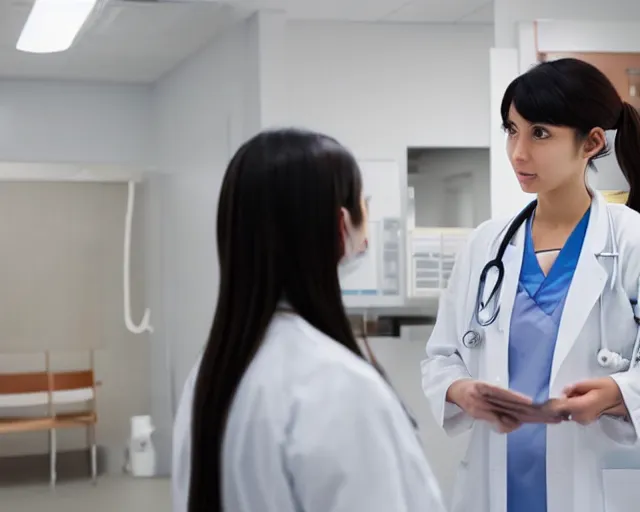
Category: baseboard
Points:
column 34, row 469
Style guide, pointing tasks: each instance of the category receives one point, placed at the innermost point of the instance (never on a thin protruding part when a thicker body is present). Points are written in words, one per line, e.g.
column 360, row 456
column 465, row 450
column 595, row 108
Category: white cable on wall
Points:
column 145, row 324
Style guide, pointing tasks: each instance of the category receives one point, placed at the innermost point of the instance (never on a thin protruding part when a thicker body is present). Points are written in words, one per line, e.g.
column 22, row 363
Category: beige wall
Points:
column 61, row 289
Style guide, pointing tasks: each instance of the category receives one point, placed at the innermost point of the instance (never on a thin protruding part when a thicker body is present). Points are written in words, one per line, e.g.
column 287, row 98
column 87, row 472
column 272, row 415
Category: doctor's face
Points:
column 544, row 157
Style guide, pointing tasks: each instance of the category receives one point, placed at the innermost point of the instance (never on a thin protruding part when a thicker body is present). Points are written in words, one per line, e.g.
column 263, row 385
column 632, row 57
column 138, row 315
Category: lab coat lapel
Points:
column 587, row 284
column 512, row 261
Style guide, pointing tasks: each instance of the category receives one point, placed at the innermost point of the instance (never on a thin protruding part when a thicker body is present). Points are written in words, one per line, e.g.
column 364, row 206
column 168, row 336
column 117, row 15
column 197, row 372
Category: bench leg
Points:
column 52, row 457
column 93, row 451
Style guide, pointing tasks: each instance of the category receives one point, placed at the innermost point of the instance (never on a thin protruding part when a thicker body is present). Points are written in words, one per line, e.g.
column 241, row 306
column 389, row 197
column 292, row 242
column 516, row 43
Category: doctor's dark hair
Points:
column 572, row 93
column 279, row 236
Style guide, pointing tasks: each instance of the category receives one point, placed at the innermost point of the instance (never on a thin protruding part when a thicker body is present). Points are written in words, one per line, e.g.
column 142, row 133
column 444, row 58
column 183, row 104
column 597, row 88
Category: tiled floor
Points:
column 111, row 494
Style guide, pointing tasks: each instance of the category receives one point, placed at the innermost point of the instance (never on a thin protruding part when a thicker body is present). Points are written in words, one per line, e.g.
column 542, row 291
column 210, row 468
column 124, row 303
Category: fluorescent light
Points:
column 53, row 25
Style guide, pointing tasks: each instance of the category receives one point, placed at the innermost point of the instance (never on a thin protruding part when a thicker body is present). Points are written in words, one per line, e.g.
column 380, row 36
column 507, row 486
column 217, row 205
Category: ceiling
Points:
column 138, row 41
column 126, row 42
column 412, row 11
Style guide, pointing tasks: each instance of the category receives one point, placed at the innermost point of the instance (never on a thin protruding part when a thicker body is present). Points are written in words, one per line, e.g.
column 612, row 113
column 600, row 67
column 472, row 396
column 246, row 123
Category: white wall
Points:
column 266, row 92
column 335, row 77
column 74, row 123
column 380, row 88
column 434, row 168
column 507, row 197
column 197, row 108
column 199, row 120
column 203, row 111
column 377, row 88
column 508, row 13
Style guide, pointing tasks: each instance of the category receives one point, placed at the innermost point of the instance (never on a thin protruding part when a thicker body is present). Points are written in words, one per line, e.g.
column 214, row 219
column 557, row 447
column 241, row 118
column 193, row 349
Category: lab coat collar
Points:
column 512, row 262
column 586, row 286
column 598, row 229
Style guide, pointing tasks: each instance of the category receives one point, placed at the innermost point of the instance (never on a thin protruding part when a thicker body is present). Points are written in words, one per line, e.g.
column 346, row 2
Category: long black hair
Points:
column 572, row 93
column 279, row 236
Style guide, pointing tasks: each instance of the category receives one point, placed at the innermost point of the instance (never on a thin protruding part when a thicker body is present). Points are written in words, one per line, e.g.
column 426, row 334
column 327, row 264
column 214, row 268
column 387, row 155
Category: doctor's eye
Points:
column 540, row 133
column 509, row 129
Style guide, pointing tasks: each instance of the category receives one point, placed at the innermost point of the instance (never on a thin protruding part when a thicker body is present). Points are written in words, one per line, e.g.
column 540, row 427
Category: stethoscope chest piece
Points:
column 472, row 339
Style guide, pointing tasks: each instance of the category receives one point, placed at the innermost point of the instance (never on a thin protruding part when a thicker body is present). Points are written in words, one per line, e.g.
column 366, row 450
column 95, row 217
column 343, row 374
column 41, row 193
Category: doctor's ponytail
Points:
column 627, row 146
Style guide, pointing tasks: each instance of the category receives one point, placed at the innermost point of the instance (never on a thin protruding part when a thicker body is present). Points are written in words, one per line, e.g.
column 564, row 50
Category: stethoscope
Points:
column 486, row 311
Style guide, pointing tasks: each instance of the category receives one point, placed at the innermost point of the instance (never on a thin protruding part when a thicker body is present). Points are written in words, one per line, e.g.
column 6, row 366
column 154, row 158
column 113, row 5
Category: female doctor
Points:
column 283, row 413
column 561, row 324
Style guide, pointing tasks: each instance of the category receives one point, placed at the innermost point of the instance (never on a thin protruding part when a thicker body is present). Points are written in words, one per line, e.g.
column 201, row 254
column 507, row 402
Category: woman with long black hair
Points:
column 283, row 413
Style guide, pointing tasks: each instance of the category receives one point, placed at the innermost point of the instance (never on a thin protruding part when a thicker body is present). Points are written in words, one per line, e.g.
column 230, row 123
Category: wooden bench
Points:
column 50, row 389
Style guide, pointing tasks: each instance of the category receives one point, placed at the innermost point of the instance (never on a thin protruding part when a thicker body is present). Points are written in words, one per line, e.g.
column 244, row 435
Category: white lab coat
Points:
column 312, row 428
column 577, row 457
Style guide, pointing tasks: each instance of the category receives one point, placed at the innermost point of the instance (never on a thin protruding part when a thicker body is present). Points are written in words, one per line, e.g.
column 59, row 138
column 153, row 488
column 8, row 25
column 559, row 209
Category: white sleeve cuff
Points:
column 618, row 430
column 626, row 432
column 456, row 421
column 449, row 416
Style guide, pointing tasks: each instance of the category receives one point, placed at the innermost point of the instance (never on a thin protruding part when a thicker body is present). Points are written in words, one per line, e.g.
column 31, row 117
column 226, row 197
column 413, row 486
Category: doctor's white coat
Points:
column 313, row 428
column 578, row 458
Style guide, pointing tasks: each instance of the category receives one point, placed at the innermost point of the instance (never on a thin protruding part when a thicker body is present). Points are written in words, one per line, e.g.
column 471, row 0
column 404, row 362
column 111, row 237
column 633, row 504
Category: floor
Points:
column 111, row 494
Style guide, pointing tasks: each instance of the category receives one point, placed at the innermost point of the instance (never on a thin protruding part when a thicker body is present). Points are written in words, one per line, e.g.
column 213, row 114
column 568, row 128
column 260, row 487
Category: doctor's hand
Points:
column 586, row 401
column 465, row 394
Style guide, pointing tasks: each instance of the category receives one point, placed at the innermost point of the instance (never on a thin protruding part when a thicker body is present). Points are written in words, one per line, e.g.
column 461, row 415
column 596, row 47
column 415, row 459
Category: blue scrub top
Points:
column 534, row 328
